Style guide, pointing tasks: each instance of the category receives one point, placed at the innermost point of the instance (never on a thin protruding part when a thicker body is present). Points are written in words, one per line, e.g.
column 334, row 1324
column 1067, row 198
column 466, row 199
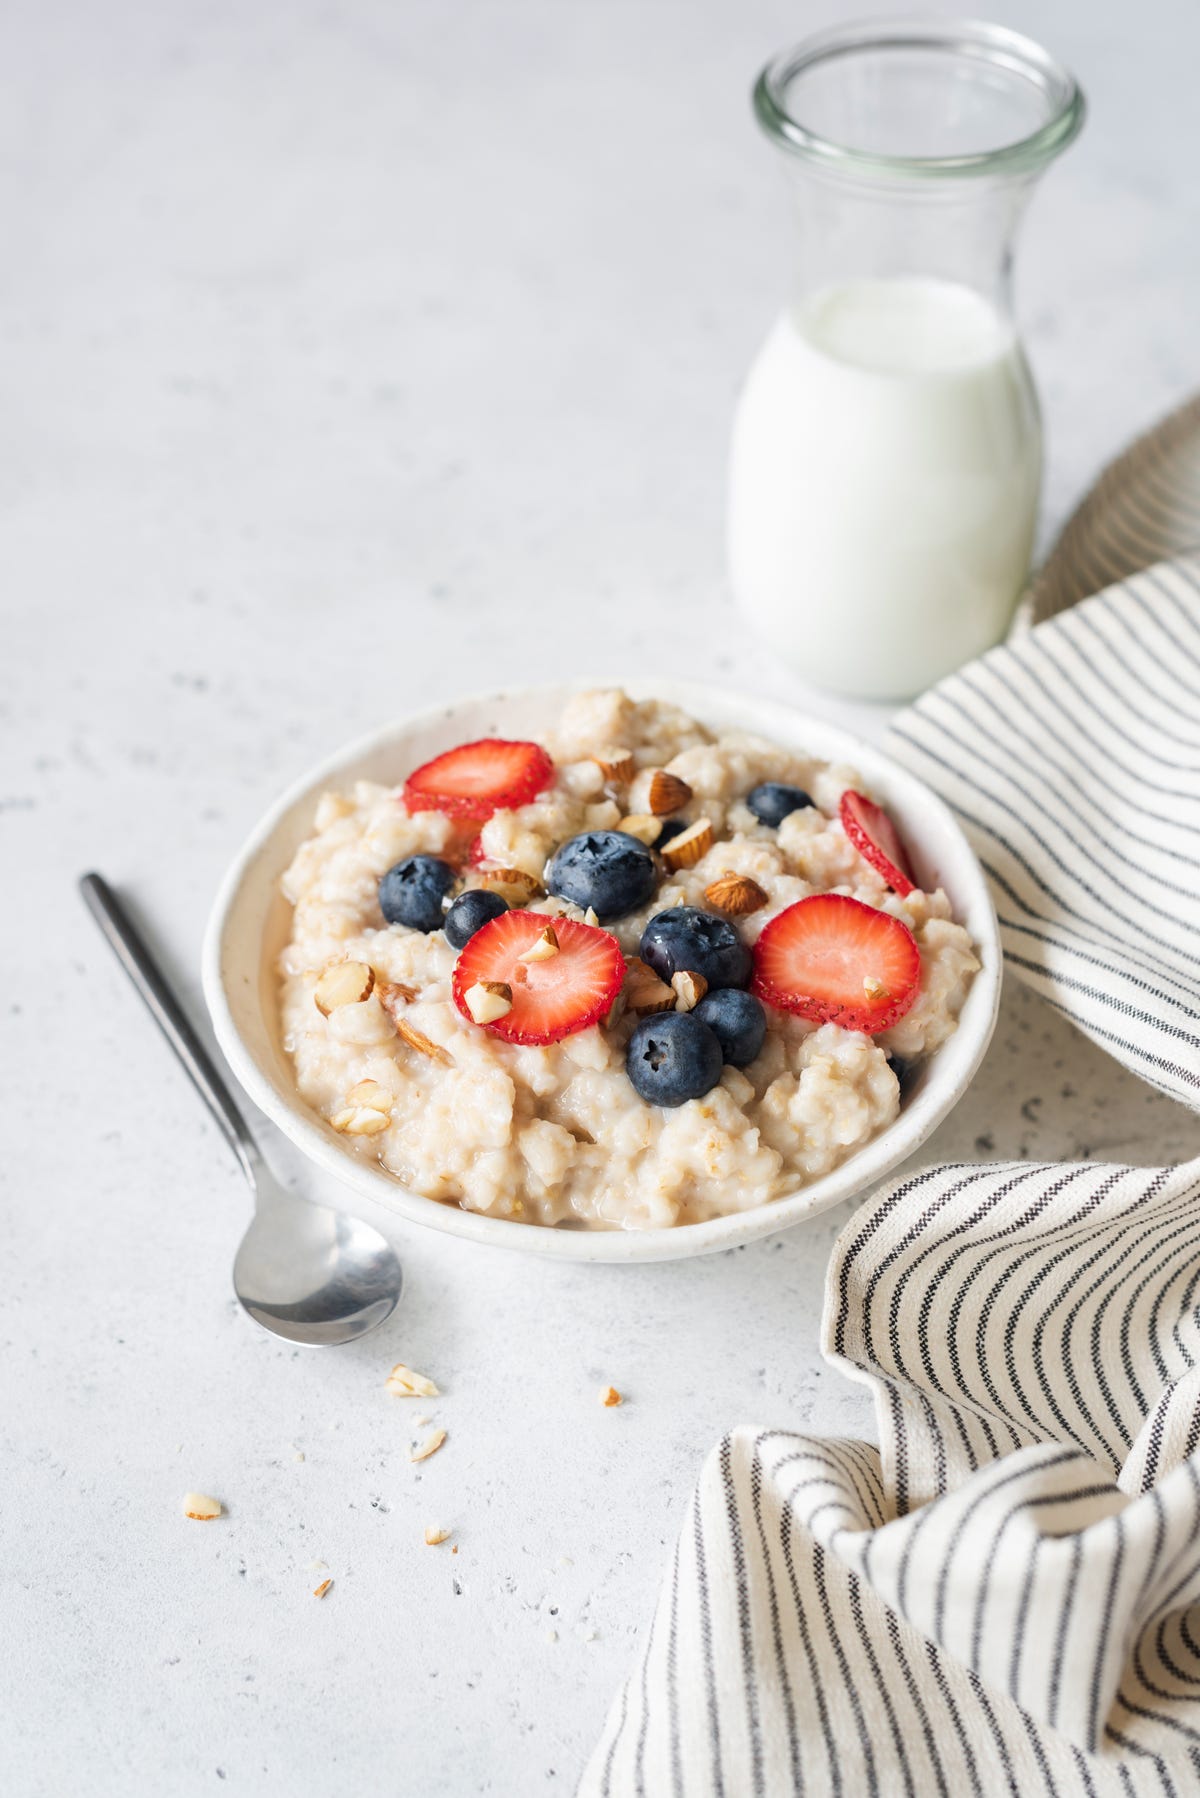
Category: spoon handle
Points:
column 134, row 956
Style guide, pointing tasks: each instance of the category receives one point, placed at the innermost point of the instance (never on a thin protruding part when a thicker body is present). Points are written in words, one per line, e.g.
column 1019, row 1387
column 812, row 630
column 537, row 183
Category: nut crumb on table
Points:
column 403, row 1382
column 200, row 1507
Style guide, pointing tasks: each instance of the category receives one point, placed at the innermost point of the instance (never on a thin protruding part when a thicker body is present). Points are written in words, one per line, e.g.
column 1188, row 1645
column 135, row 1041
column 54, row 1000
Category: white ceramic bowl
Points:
column 250, row 924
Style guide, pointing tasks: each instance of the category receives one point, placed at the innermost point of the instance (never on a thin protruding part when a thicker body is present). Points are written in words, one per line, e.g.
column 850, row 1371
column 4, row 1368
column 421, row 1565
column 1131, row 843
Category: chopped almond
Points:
column 359, row 1120
column 394, row 996
column 667, row 793
column 424, row 1045
column 643, row 991
column 735, row 894
column 200, row 1507
column 370, row 1092
column 403, row 1382
column 320, row 1591
column 489, row 1000
column 544, row 948
column 616, row 765
column 346, row 983
column 615, row 1011
column 610, row 1396
column 685, row 850
column 429, row 1447
column 512, row 884
column 689, row 989
column 434, row 1535
column 642, row 825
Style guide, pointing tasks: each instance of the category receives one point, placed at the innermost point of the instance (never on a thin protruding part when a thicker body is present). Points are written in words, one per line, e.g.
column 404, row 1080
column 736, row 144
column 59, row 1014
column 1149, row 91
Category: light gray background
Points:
column 353, row 355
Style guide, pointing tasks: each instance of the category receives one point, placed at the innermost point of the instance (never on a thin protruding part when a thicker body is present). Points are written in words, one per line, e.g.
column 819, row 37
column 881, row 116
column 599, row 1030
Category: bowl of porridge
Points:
column 606, row 974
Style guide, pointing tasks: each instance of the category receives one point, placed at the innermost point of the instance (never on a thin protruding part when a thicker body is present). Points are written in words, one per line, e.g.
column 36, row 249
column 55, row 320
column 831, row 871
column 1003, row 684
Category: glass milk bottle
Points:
column 886, row 454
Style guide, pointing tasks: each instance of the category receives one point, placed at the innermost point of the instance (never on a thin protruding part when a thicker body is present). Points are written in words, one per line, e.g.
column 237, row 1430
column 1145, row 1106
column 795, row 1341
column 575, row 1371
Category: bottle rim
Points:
column 993, row 47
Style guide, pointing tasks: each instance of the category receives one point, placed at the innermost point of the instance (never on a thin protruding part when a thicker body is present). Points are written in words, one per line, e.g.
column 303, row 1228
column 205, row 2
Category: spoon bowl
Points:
column 311, row 1274
column 305, row 1272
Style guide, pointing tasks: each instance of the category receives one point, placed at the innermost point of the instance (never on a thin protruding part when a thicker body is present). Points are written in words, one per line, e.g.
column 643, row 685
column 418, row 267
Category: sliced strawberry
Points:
column 551, row 998
column 874, row 836
column 837, row 961
column 477, row 779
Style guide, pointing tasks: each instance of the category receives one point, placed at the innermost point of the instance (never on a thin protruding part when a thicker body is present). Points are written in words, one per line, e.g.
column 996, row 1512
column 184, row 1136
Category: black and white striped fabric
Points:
column 995, row 1600
column 1072, row 758
column 1004, row 1595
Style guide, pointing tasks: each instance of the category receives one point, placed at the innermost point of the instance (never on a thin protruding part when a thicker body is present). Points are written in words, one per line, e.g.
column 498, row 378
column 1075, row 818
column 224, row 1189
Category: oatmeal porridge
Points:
column 634, row 974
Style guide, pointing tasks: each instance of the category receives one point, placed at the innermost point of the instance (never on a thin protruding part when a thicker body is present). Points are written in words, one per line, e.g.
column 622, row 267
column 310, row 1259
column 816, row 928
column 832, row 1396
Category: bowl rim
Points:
column 953, row 1066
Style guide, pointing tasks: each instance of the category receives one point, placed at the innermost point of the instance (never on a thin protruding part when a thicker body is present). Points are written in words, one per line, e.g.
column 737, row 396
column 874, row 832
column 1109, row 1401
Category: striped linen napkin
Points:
column 1072, row 758
column 1004, row 1595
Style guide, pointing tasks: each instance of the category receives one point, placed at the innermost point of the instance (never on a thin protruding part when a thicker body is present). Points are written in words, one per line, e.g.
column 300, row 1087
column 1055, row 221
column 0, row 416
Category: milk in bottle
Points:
column 883, row 492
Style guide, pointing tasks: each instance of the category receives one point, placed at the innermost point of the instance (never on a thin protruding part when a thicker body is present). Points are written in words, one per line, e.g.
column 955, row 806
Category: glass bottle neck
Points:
column 850, row 231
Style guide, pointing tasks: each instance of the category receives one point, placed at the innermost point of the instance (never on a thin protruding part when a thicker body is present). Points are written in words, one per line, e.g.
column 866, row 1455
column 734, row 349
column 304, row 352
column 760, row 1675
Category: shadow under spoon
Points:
column 306, row 1272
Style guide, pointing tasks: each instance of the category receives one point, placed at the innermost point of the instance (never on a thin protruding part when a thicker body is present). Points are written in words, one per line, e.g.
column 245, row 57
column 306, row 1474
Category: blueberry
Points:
column 772, row 802
column 738, row 1022
column 673, row 1058
column 606, row 869
column 411, row 893
column 685, row 938
column 469, row 913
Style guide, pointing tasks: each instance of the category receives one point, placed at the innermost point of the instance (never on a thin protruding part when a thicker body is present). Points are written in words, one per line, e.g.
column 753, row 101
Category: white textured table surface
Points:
column 353, row 355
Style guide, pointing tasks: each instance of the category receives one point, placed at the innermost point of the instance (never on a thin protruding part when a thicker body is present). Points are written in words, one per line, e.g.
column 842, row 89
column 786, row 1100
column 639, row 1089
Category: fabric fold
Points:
column 1005, row 1595
column 1071, row 757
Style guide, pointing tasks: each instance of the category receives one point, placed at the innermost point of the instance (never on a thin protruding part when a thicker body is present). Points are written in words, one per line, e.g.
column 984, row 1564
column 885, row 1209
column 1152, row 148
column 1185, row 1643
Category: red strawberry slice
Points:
column 874, row 836
column 837, row 961
column 477, row 779
column 552, row 998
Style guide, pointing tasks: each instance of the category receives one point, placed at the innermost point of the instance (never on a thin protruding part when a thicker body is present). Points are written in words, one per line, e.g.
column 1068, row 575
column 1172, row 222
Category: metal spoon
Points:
column 304, row 1271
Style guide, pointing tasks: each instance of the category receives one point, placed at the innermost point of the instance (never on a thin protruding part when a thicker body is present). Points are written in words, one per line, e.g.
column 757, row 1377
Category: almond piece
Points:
column 735, row 894
column 429, row 1447
column 200, row 1507
column 616, row 765
column 667, row 793
column 393, row 995
column 359, row 1120
column 875, row 989
column 512, row 884
column 320, row 1591
column 643, row 991
column 435, row 1534
column 370, row 1092
column 689, row 989
column 346, row 983
column 685, row 850
column 610, row 1396
column 642, row 825
column 488, row 1000
column 404, row 1383
column 544, row 948
column 417, row 1039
